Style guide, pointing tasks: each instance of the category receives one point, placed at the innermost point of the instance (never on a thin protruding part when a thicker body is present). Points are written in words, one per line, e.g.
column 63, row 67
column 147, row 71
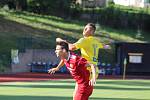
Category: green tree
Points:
column 14, row 4
column 21, row 4
column 49, row 6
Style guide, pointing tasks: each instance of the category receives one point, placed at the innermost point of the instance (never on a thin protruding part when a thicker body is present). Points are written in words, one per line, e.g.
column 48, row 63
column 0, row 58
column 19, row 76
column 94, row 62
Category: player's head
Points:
column 89, row 29
column 61, row 49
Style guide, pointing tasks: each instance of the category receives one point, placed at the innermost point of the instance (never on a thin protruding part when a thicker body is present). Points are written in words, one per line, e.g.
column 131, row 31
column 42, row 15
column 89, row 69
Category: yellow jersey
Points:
column 89, row 47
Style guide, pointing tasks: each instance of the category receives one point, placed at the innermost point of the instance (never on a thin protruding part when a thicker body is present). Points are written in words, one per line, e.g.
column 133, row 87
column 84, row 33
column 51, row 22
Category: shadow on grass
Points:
column 72, row 87
column 40, row 86
column 3, row 97
column 121, row 88
column 78, row 31
column 8, row 97
column 95, row 98
column 57, row 19
column 125, row 83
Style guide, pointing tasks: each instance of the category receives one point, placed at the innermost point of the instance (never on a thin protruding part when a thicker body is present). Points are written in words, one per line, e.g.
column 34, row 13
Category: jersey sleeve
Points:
column 80, row 43
column 100, row 45
column 81, row 61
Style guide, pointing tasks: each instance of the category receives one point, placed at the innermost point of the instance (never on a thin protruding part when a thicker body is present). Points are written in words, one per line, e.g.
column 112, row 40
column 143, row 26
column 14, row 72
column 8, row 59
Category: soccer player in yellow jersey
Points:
column 89, row 46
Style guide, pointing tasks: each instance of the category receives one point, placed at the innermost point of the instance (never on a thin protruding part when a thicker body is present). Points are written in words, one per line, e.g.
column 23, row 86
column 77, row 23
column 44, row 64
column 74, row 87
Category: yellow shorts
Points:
column 97, row 71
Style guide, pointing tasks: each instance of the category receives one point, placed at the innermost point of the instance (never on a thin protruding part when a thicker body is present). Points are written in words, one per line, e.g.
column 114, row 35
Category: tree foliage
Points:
column 14, row 4
column 59, row 7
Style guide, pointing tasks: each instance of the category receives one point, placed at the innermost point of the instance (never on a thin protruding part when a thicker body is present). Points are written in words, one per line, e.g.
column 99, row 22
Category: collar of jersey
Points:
column 89, row 37
column 68, row 56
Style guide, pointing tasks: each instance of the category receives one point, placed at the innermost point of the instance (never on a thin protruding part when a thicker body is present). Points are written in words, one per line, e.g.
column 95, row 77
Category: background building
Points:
column 91, row 3
column 135, row 3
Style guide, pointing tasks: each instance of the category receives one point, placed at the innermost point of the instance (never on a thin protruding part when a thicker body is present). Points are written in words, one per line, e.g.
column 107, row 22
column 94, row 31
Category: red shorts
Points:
column 82, row 92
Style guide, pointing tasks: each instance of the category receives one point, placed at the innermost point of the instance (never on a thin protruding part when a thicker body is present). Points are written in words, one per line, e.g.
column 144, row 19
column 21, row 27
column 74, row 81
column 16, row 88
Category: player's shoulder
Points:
column 73, row 56
column 93, row 39
column 80, row 41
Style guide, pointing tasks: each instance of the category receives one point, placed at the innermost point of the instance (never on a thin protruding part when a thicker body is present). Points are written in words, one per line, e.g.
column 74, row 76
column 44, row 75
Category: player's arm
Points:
column 93, row 68
column 72, row 46
column 104, row 46
column 107, row 45
column 53, row 70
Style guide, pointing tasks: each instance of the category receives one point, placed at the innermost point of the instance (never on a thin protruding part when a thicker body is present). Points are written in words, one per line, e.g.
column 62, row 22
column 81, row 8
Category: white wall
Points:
column 31, row 55
column 137, row 3
column 24, row 59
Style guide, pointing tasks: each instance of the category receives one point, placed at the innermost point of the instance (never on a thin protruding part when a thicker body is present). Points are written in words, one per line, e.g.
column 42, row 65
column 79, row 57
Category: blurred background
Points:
column 28, row 29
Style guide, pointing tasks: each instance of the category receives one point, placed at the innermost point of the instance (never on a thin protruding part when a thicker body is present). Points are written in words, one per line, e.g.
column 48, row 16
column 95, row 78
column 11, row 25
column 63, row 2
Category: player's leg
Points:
column 88, row 91
column 83, row 92
column 78, row 93
column 97, row 71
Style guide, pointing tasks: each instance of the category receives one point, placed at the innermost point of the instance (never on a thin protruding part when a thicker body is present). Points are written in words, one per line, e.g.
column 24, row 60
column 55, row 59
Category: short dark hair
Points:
column 93, row 26
column 64, row 45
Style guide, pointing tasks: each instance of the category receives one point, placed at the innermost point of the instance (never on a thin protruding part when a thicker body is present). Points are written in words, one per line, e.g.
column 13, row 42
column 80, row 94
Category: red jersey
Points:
column 76, row 65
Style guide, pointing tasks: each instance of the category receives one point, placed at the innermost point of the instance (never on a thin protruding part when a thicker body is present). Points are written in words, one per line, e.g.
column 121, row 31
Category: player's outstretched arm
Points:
column 53, row 70
column 106, row 46
column 60, row 40
column 72, row 47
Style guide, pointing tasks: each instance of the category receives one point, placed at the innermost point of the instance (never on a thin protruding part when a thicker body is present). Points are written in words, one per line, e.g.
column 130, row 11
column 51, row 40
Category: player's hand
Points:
column 92, row 82
column 60, row 40
column 53, row 70
column 107, row 47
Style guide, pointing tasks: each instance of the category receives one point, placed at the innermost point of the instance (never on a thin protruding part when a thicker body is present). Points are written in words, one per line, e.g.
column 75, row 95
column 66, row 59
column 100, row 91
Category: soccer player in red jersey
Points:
column 77, row 68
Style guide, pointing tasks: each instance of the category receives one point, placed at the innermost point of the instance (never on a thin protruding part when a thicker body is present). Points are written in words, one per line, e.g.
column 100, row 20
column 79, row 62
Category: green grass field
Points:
column 63, row 89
